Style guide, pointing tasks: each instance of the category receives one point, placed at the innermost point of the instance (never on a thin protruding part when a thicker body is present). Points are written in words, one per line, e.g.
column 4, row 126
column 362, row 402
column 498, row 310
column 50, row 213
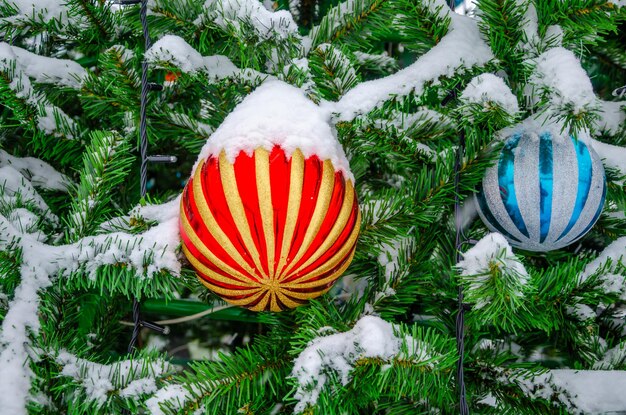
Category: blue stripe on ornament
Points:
column 585, row 174
column 506, row 167
column 484, row 207
column 596, row 215
column 546, row 180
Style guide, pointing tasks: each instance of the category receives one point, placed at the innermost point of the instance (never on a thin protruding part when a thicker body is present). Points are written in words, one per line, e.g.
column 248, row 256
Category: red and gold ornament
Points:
column 270, row 230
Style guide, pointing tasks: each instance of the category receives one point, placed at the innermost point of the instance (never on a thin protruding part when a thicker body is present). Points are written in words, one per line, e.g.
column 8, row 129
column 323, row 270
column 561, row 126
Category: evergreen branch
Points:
column 422, row 25
column 331, row 71
column 342, row 19
column 106, row 162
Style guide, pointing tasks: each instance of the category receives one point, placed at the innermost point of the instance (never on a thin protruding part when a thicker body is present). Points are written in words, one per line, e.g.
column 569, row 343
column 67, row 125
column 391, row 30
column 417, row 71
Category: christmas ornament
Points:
column 270, row 217
column 544, row 193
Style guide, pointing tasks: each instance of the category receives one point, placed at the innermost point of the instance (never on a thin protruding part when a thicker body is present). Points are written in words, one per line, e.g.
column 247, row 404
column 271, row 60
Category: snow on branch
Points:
column 492, row 258
column 174, row 51
column 612, row 156
column 15, row 187
column 147, row 253
column 38, row 10
column 42, row 69
column 371, row 337
column 612, row 116
column 558, row 74
column 130, row 377
column 38, row 172
column 266, row 24
column 581, row 391
column 488, row 90
column 462, row 47
column 50, row 119
column 613, row 255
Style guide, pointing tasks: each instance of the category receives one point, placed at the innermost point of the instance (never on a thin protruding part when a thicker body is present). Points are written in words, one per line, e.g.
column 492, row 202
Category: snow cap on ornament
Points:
column 270, row 217
column 546, row 190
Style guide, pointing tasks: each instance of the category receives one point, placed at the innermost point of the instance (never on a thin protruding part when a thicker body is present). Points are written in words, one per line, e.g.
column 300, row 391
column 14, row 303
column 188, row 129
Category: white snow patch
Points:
column 265, row 23
column 63, row 72
column 42, row 10
column 462, row 47
column 492, row 251
column 38, row 172
column 582, row 391
column 41, row 263
column 487, row 90
column 98, row 380
column 175, row 51
column 371, row 337
column 277, row 114
column 613, row 156
column 14, row 185
column 174, row 395
column 47, row 113
column 558, row 72
column 612, row 116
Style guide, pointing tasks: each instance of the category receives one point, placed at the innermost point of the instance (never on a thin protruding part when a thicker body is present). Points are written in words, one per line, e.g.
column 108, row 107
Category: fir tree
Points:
column 403, row 80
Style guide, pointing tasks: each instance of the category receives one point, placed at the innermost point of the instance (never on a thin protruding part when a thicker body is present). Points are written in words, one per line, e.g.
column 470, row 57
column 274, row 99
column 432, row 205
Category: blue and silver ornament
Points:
column 544, row 193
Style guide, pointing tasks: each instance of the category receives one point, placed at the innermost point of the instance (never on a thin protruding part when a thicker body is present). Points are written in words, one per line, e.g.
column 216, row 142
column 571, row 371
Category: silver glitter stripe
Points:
column 526, row 179
column 593, row 201
column 491, row 188
column 565, row 187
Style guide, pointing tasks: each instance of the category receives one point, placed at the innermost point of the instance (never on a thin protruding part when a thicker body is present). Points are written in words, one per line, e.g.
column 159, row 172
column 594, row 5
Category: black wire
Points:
column 459, row 240
column 143, row 149
column 460, row 317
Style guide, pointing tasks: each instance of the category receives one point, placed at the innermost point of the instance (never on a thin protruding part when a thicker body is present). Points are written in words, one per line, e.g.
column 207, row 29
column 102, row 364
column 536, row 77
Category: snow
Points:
column 41, row 262
column 43, row 10
column 15, row 186
column 371, row 337
column 612, row 156
column 487, row 90
column 559, row 71
column 48, row 114
column 492, row 251
column 582, row 312
column 278, row 114
column 175, row 51
column 62, row 72
column 462, row 47
column 381, row 61
column 174, row 395
column 38, row 172
column 265, row 23
column 612, row 358
column 612, row 116
column 98, row 380
column 531, row 23
column 614, row 252
column 582, row 391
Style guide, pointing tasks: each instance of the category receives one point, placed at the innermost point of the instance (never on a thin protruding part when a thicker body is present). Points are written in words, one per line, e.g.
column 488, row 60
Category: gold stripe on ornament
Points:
column 329, row 278
column 332, row 262
column 212, row 226
column 263, row 303
column 238, row 213
column 264, row 192
column 241, row 301
column 324, row 196
column 216, row 276
column 274, row 304
column 296, row 181
column 286, row 300
column 338, row 227
column 207, row 253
